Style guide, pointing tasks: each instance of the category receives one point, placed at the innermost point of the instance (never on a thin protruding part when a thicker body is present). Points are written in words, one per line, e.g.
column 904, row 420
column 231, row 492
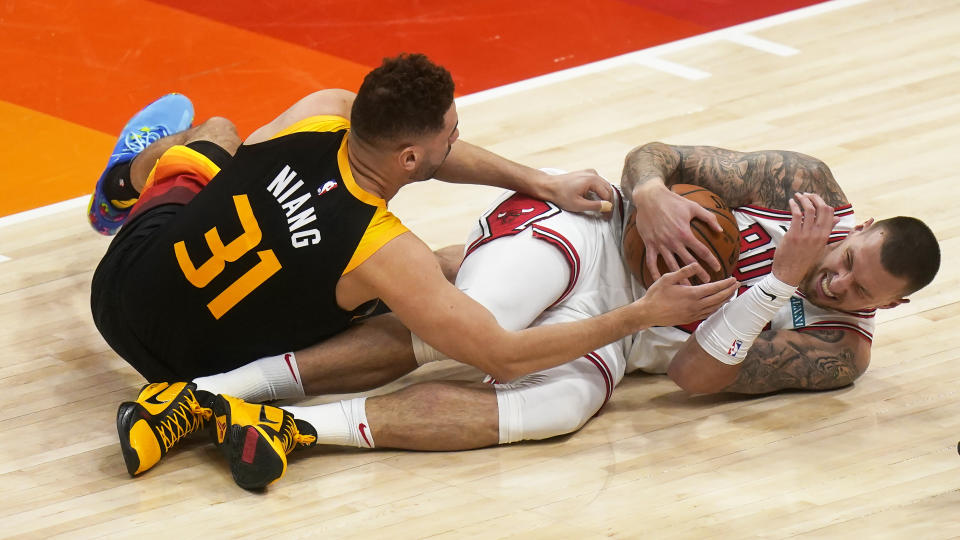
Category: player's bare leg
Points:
column 436, row 416
column 365, row 356
column 217, row 130
column 457, row 415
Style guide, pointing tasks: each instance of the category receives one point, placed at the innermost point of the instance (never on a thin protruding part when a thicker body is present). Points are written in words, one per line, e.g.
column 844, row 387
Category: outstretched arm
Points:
column 406, row 276
column 577, row 191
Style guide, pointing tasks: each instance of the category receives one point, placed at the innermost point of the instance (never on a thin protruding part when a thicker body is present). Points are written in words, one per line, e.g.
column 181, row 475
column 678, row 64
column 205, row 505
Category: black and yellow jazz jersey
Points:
column 249, row 267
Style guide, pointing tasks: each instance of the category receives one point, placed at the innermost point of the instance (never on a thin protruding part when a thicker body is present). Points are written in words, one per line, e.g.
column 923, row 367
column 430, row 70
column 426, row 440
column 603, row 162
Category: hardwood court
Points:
column 870, row 88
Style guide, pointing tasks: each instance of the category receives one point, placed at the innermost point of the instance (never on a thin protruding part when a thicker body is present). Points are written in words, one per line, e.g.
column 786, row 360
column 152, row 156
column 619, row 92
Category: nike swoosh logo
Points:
column 290, row 367
column 772, row 297
column 363, row 433
column 154, row 401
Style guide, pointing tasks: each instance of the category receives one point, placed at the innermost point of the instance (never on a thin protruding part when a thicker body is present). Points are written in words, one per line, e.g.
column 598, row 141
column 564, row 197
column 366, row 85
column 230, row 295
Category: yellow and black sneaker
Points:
column 163, row 414
column 257, row 451
column 232, row 411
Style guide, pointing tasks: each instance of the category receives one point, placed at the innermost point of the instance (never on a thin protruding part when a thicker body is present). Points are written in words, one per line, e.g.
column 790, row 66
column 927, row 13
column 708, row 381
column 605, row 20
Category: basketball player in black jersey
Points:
column 236, row 252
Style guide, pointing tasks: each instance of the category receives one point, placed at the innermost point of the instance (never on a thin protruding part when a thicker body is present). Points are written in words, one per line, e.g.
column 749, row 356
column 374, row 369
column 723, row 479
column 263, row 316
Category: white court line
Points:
column 4, row 259
column 644, row 56
column 761, row 44
column 679, row 45
column 672, row 68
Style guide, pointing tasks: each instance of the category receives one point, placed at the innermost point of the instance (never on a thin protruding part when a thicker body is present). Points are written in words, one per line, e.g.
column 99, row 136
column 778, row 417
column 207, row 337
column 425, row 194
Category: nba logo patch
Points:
column 327, row 187
column 735, row 348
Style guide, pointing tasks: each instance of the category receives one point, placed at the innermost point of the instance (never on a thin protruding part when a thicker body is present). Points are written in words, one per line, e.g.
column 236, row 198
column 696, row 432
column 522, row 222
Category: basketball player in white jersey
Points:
column 811, row 278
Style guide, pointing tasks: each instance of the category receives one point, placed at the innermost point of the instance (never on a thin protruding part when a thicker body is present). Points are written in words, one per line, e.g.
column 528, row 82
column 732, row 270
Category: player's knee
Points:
column 540, row 412
column 217, row 130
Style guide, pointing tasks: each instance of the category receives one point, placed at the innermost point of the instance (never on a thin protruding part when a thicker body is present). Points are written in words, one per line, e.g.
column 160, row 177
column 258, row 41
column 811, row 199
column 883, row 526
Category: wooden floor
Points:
column 872, row 90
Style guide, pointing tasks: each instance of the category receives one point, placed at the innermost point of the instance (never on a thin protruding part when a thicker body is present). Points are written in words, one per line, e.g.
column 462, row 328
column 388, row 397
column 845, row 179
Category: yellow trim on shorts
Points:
column 179, row 160
column 321, row 123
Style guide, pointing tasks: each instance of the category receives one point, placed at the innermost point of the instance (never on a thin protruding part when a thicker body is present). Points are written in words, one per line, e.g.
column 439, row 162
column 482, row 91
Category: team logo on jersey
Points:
column 796, row 309
column 514, row 213
column 735, row 347
column 327, row 187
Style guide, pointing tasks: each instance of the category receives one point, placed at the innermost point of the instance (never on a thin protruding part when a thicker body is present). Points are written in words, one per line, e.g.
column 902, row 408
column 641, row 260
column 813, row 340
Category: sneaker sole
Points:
column 253, row 460
column 125, row 419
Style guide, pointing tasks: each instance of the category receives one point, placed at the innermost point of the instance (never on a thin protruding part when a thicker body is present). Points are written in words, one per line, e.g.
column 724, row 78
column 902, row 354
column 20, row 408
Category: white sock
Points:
column 273, row 377
column 342, row 423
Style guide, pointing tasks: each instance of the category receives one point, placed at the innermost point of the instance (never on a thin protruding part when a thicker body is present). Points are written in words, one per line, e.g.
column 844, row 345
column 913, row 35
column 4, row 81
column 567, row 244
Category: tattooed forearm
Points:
column 650, row 161
column 787, row 173
column 769, row 178
column 816, row 360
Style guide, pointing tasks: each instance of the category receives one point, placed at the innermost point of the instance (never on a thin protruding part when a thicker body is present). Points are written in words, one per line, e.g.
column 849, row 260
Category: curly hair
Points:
column 408, row 95
column 909, row 251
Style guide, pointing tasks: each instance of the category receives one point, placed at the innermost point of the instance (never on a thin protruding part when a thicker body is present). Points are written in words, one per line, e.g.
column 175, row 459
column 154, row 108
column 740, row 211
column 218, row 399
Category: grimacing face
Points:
column 850, row 277
column 437, row 146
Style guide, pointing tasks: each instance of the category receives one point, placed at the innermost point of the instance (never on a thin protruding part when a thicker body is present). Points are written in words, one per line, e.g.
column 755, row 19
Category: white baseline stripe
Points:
column 4, row 259
column 761, row 44
column 557, row 76
column 679, row 45
column 672, row 68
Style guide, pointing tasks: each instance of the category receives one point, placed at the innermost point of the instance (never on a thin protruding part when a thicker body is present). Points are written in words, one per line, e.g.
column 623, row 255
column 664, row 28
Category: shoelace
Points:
column 192, row 416
column 290, row 436
column 137, row 141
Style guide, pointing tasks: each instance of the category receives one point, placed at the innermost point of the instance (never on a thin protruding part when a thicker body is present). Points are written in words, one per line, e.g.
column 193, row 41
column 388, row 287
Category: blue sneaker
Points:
column 170, row 114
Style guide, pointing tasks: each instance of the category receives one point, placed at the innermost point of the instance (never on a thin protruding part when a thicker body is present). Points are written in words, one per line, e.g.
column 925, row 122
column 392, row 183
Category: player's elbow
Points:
column 493, row 358
column 649, row 148
column 503, row 369
column 684, row 376
column 696, row 372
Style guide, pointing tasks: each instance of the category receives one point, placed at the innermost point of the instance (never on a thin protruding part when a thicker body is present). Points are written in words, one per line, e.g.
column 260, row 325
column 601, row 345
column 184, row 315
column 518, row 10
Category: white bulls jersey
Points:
column 761, row 231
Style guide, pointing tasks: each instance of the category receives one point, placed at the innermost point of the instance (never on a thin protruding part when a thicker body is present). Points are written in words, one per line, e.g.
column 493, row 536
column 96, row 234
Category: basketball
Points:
column 724, row 245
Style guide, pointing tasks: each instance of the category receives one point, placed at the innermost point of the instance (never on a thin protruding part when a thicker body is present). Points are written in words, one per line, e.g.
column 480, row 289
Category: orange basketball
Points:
column 725, row 245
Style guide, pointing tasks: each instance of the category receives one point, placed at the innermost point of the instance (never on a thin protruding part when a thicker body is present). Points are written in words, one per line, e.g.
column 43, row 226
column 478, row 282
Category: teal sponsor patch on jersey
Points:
column 796, row 309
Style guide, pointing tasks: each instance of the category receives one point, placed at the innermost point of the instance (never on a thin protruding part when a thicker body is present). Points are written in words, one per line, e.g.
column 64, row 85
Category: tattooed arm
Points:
column 778, row 360
column 766, row 178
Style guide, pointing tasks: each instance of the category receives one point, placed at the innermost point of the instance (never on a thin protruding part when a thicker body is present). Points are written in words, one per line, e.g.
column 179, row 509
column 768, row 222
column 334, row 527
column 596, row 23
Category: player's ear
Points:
column 864, row 226
column 895, row 303
column 409, row 158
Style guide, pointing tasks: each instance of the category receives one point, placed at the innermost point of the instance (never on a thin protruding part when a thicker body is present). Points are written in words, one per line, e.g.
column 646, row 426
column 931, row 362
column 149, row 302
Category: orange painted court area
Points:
column 75, row 71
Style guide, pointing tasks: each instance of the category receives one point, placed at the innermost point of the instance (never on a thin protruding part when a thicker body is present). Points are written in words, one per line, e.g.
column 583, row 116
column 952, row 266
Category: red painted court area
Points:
column 75, row 71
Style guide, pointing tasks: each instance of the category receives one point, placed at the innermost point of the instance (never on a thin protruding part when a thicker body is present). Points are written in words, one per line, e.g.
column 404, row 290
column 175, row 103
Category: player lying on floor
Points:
column 808, row 273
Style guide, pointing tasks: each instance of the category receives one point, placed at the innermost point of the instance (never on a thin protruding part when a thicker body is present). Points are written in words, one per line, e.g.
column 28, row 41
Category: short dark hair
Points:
column 909, row 251
column 408, row 95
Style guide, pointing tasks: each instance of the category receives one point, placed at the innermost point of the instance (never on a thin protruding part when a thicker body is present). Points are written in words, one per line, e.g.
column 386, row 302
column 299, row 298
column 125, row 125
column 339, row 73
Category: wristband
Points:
column 729, row 333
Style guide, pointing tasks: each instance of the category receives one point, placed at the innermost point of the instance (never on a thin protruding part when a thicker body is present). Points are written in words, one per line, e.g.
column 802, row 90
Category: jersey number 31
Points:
column 201, row 276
